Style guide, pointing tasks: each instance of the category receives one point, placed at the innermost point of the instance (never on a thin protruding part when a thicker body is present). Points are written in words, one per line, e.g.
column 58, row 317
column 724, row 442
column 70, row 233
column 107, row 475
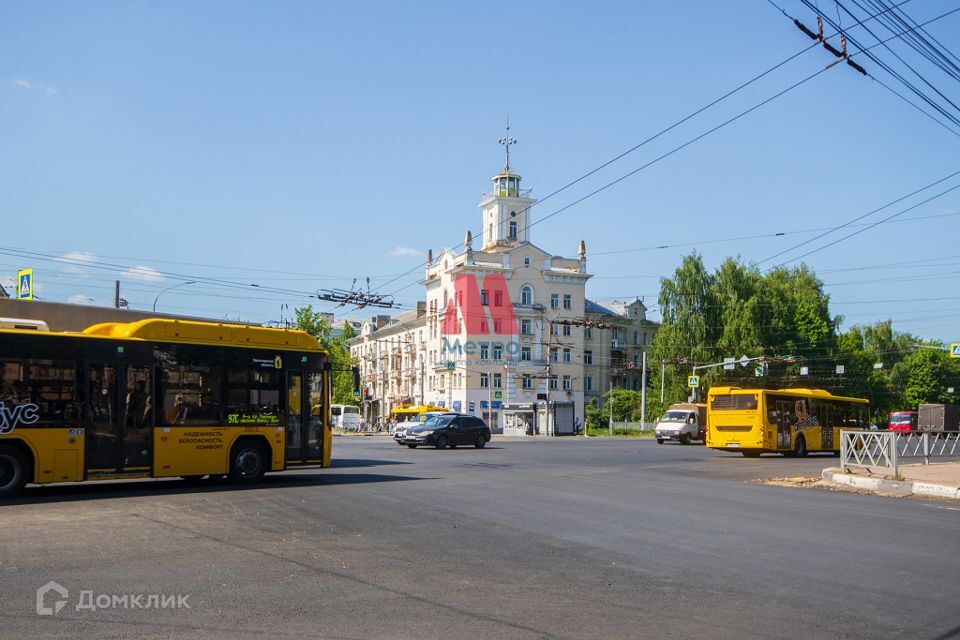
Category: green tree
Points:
column 312, row 322
column 626, row 408
column 924, row 376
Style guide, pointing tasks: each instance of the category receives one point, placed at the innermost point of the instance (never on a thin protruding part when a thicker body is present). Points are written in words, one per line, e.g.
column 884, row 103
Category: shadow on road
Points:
column 352, row 463
column 104, row 490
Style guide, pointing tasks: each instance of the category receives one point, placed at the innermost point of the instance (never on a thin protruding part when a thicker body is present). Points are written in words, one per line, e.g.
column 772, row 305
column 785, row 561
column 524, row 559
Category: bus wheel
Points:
column 14, row 471
column 800, row 447
column 248, row 462
column 685, row 438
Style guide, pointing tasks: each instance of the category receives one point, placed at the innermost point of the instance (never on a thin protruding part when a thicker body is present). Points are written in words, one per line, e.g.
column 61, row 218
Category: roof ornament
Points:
column 506, row 141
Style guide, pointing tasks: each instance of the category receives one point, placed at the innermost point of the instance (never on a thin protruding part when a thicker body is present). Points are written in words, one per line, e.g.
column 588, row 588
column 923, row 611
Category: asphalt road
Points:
column 585, row 538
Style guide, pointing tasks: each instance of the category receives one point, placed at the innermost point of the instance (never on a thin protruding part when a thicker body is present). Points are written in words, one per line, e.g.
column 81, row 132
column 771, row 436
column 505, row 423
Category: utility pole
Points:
column 116, row 294
column 643, row 393
column 611, row 407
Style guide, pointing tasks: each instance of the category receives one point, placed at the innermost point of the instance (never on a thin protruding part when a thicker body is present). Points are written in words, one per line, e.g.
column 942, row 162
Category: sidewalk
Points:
column 941, row 480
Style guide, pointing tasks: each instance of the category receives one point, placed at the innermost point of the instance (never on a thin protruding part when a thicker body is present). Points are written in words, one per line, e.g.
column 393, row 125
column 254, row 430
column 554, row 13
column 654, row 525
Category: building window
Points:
column 498, row 298
column 484, row 326
column 554, row 355
column 588, row 333
column 484, row 380
column 526, row 262
column 526, row 296
column 566, row 330
column 588, row 383
column 567, row 301
column 498, row 351
column 566, row 355
column 527, row 381
column 484, row 351
column 567, row 383
column 554, row 300
column 484, row 297
column 513, row 229
column 497, row 326
column 526, row 326
column 636, row 339
column 553, row 382
column 553, row 329
column 525, row 354
column 498, row 381
column 645, row 337
column 588, row 357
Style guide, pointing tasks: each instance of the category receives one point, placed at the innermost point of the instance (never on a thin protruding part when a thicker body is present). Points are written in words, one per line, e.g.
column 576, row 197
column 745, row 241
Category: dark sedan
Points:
column 448, row 431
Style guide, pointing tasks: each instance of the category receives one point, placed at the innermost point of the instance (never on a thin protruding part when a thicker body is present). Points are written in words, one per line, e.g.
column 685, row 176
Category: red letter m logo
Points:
column 467, row 300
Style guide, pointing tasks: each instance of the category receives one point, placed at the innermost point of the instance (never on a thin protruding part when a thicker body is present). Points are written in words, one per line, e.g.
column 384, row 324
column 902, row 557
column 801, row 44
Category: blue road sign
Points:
column 25, row 284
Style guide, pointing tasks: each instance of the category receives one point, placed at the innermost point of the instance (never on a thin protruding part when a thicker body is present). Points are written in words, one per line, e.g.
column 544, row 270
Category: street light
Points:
column 179, row 284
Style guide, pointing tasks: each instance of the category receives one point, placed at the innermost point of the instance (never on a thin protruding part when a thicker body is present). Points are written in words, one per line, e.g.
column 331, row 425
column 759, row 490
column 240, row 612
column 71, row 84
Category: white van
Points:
column 344, row 416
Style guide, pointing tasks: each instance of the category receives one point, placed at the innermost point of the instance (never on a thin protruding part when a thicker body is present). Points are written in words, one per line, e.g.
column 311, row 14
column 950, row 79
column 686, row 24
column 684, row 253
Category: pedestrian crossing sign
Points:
column 25, row 284
column 498, row 395
column 693, row 381
column 955, row 350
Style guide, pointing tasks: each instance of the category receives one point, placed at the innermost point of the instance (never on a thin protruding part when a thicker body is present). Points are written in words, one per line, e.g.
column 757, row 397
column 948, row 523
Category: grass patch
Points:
column 602, row 432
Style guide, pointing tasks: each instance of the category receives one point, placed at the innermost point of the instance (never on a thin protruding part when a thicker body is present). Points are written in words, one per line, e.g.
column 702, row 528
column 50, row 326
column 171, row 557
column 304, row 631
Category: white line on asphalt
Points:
column 937, row 506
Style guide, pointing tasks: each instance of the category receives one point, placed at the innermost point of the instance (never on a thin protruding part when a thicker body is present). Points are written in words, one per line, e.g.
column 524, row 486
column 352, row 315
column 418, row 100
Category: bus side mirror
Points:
column 356, row 378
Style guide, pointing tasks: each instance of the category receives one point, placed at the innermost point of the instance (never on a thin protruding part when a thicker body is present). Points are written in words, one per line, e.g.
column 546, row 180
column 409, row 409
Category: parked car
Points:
column 448, row 430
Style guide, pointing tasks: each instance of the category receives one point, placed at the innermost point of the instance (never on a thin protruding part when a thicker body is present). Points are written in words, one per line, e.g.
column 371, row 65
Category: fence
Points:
column 885, row 451
column 632, row 426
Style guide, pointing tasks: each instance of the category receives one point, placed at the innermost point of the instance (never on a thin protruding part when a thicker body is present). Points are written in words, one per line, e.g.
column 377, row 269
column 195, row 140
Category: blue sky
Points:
column 298, row 146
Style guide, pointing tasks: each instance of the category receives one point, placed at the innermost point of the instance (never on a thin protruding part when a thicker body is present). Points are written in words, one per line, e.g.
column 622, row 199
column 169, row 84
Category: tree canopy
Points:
column 783, row 318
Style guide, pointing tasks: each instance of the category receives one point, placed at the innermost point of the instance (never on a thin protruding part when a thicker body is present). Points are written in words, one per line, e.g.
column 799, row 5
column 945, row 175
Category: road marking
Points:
column 937, row 506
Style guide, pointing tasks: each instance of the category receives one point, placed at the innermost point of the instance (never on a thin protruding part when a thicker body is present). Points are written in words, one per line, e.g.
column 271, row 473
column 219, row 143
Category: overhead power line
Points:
column 695, row 139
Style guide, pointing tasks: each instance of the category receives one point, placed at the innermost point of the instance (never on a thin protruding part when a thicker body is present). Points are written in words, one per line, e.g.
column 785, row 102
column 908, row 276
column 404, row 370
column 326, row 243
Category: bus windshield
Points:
column 675, row 416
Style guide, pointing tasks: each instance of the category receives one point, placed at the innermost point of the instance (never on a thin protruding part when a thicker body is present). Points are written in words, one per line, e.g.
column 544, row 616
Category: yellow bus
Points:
column 410, row 413
column 792, row 422
column 159, row 398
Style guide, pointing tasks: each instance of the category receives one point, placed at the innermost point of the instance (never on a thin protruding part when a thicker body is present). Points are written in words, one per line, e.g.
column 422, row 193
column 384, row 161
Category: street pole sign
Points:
column 744, row 361
column 955, row 349
column 451, row 365
column 729, row 364
column 25, row 284
column 693, row 381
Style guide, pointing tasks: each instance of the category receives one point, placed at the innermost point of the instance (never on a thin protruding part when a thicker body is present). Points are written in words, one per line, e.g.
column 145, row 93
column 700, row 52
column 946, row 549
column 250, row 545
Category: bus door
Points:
column 119, row 417
column 827, row 417
column 295, row 415
column 304, row 416
column 784, row 410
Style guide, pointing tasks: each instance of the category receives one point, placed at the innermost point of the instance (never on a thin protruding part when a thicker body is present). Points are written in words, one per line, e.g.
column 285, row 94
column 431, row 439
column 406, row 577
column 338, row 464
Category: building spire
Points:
column 506, row 141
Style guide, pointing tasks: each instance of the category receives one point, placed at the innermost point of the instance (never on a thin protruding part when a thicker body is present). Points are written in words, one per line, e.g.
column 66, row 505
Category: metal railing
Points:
column 885, row 451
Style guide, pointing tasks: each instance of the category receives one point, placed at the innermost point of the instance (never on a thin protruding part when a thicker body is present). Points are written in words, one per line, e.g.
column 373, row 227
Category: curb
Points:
column 835, row 476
